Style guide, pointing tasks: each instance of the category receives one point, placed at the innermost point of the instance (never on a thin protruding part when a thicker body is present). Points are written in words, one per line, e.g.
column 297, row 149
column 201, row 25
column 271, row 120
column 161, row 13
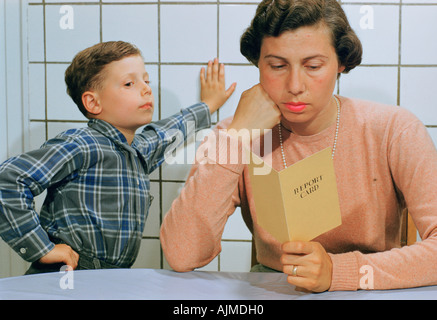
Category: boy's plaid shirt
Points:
column 98, row 188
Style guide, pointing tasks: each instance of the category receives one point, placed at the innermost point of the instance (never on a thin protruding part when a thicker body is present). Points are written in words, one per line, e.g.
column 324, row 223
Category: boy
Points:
column 97, row 177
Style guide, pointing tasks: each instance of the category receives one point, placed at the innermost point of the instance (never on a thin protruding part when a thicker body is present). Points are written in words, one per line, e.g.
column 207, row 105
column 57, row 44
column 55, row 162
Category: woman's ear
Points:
column 340, row 70
column 90, row 100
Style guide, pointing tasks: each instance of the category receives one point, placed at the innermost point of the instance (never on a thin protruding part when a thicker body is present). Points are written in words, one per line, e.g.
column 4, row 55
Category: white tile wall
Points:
column 370, row 1
column 137, row 24
column 379, row 82
column 417, row 92
column 37, row 96
column 419, row 44
column 246, row 76
column 63, row 44
column 59, row 104
column 35, row 29
column 5, row 252
column 174, row 92
column 377, row 26
column 234, row 19
column 177, row 38
column 188, row 32
column 13, row 114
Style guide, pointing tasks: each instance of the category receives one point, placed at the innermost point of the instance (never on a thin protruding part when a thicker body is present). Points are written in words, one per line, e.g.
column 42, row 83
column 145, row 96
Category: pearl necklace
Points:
column 335, row 138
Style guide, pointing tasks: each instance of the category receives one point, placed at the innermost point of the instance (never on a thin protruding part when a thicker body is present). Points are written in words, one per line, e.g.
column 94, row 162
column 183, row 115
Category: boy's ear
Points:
column 91, row 102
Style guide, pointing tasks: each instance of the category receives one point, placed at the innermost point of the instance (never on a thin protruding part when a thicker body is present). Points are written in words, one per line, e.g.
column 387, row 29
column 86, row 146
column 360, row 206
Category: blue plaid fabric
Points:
column 98, row 188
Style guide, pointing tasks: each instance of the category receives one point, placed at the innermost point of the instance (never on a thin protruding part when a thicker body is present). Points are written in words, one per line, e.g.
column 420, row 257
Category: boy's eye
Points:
column 129, row 84
column 147, row 82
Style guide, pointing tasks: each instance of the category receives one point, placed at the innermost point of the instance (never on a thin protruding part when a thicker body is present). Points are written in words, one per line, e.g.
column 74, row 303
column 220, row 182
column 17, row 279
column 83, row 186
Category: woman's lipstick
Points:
column 296, row 106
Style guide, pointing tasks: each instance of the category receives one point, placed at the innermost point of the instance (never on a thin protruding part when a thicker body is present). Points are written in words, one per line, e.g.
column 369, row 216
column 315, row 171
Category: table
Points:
column 160, row 284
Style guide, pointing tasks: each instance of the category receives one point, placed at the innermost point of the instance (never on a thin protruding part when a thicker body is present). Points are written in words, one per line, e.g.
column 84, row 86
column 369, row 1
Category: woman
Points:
column 383, row 157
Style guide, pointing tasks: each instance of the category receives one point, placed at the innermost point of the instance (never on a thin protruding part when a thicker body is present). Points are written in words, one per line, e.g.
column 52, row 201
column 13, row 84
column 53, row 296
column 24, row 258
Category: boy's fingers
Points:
column 71, row 258
column 202, row 75
column 76, row 259
column 209, row 71
column 222, row 72
column 215, row 68
column 231, row 90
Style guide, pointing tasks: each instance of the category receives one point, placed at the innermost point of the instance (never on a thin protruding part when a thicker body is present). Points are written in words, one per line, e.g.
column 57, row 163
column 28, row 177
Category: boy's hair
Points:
column 86, row 70
column 273, row 17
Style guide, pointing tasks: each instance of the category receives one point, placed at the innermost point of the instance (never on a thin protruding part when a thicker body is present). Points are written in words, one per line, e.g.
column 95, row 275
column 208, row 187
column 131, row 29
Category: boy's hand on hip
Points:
column 61, row 253
column 212, row 86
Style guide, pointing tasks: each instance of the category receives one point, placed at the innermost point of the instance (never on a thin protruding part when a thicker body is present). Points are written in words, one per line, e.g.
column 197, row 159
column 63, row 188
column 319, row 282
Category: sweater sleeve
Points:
column 412, row 159
column 192, row 229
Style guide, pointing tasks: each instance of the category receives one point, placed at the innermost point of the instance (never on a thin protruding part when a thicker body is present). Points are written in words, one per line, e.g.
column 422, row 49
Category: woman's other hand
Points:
column 308, row 265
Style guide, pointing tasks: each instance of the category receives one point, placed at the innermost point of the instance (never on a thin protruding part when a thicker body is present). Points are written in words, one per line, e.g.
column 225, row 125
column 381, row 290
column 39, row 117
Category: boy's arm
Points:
column 159, row 139
column 21, row 179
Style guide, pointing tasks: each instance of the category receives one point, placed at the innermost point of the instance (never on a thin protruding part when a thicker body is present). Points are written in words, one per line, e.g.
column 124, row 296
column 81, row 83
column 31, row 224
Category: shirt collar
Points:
column 108, row 130
column 113, row 134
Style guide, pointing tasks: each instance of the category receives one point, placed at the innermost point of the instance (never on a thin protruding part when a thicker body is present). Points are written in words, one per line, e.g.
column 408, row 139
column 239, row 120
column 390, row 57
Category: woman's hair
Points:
column 86, row 70
column 273, row 17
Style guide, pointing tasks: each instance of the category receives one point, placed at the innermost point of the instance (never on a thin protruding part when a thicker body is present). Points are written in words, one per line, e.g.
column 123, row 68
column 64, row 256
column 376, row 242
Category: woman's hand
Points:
column 255, row 112
column 314, row 266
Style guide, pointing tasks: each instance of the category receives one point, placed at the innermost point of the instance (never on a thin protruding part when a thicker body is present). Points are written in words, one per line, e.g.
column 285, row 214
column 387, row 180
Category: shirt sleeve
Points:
column 159, row 139
column 21, row 179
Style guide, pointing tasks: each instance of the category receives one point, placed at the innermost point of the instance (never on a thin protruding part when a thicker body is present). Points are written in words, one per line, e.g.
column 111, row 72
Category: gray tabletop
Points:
column 151, row 284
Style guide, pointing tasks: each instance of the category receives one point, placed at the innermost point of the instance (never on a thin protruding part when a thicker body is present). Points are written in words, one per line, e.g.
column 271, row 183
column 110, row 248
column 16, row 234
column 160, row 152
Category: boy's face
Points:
column 126, row 99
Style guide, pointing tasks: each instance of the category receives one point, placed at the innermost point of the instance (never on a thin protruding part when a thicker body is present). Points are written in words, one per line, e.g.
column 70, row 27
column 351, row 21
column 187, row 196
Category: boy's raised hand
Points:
column 212, row 86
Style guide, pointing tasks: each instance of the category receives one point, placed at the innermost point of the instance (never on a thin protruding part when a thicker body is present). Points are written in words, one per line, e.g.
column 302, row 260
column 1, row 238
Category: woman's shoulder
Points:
column 367, row 111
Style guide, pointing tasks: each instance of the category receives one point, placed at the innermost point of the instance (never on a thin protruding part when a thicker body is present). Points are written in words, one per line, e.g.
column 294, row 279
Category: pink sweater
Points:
column 385, row 159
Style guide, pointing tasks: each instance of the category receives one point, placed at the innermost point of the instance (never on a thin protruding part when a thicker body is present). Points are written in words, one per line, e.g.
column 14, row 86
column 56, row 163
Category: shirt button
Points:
column 23, row 250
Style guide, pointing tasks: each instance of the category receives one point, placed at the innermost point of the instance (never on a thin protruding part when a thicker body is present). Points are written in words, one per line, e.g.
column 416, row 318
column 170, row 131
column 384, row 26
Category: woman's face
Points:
column 298, row 70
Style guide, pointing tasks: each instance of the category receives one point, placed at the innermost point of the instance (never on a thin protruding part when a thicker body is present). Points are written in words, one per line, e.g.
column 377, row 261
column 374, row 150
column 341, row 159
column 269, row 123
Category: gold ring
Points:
column 294, row 272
